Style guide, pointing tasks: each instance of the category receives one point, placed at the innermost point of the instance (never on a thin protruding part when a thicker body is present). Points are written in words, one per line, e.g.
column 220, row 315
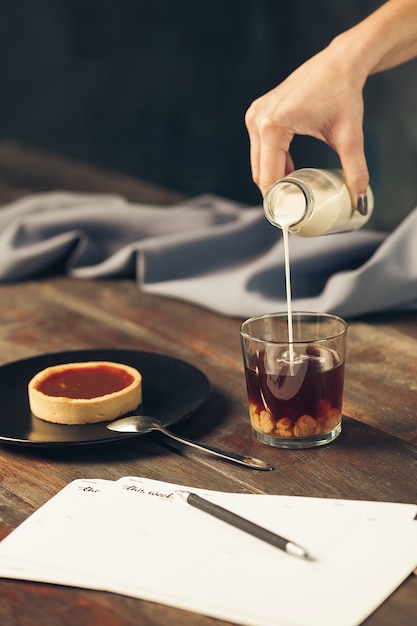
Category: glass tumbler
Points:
column 295, row 391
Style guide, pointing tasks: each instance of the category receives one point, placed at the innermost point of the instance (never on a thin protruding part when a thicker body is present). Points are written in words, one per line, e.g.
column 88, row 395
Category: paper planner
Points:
column 136, row 537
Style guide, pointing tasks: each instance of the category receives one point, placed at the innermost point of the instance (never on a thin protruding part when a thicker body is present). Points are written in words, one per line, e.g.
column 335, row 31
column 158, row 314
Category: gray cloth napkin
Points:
column 209, row 251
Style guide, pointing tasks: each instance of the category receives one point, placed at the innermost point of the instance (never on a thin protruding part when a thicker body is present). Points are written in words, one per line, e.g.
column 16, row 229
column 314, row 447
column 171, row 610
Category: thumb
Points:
column 355, row 168
column 357, row 180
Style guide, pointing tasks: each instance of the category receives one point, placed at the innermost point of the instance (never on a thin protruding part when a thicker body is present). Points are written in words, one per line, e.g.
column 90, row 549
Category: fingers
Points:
column 289, row 164
column 255, row 145
column 269, row 145
column 272, row 126
column 273, row 162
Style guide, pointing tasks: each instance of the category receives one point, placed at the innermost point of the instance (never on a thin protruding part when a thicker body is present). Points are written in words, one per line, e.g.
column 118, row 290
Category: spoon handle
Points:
column 248, row 461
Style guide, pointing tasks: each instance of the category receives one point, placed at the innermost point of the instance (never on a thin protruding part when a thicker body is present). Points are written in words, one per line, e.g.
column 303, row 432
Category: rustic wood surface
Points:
column 374, row 458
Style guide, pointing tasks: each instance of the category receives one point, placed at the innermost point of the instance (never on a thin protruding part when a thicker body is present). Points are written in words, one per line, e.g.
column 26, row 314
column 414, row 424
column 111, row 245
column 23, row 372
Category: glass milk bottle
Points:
column 312, row 202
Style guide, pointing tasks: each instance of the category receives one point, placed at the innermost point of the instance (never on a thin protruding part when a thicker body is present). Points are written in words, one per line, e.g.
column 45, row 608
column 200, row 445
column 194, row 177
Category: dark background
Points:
column 158, row 89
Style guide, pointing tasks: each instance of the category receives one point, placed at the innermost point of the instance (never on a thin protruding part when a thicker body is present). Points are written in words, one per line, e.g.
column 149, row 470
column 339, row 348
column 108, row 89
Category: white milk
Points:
column 318, row 201
column 286, row 221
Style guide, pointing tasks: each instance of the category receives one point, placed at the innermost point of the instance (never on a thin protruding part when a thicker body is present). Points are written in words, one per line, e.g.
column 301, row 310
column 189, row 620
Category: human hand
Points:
column 322, row 99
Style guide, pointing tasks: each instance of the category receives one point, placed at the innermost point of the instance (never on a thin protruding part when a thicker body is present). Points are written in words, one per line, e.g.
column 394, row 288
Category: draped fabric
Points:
column 210, row 251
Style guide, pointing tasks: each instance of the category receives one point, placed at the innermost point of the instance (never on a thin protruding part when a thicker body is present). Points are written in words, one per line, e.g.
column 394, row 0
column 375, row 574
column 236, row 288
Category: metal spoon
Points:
column 144, row 424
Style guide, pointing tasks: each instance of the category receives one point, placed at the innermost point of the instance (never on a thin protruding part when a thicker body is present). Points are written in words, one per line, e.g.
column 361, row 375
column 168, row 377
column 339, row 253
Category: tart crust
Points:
column 64, row 409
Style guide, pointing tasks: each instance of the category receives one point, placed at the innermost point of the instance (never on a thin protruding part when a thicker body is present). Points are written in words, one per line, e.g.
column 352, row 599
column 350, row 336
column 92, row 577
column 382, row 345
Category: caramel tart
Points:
column 84, row 393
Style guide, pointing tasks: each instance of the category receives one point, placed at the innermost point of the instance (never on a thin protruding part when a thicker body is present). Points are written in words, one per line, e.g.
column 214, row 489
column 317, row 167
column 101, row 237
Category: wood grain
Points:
column 374, row 458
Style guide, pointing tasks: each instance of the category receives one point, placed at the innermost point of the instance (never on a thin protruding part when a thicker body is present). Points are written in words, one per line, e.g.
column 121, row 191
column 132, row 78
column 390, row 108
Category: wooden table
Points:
column 374, row 458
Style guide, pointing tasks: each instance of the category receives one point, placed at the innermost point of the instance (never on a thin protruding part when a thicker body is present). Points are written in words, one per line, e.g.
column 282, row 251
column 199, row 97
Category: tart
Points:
column 84, row 393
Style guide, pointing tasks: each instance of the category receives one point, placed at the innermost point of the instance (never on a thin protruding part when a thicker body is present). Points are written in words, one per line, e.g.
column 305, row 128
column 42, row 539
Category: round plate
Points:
column 172, row 390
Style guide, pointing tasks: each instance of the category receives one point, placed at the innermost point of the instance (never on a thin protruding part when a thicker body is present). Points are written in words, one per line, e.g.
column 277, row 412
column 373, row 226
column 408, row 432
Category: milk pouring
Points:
column 309, row 203
column 294, row 362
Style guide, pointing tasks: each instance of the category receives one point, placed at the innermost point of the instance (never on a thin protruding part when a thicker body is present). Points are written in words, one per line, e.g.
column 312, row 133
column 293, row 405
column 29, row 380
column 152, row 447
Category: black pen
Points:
column 243, row 524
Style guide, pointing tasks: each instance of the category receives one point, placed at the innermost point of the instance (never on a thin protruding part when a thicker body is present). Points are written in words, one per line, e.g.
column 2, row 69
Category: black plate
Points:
column 172, row 390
